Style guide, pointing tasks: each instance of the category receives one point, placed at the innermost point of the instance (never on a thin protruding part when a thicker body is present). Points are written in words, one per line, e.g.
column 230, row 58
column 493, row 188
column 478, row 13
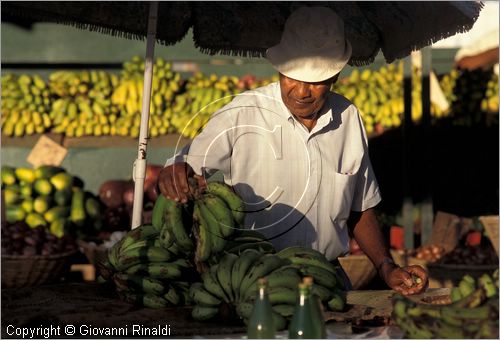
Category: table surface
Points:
column 97, row 306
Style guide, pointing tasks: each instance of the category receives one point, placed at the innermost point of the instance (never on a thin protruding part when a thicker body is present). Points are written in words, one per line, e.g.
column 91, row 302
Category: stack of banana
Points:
column 204, row 95
column 233, row 282
column 146, row 273
column 25, row 106
column 83, row 104
column 473, row 313
column 127, row 97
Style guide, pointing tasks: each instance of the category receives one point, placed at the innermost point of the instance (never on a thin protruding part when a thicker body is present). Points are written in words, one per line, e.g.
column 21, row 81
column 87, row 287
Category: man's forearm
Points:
column 367, row 233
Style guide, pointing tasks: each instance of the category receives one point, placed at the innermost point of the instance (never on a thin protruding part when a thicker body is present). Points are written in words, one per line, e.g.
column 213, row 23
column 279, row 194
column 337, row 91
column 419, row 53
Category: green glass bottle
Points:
column 261, row 323
column 316, row 313
column 302, row 326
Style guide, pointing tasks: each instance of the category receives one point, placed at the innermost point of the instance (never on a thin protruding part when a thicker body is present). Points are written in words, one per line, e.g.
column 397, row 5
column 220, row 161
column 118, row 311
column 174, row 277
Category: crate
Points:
column 490, row 224
column 359, row 269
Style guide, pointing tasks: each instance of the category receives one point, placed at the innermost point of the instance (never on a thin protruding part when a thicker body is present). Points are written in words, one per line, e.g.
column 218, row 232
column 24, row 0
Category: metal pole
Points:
column 427, row 204
column 139, row 168
column 407, row 213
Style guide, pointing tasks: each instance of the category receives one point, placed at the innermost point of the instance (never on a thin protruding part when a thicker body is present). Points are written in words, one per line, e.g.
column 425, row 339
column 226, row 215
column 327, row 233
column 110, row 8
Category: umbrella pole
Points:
column 139, row 168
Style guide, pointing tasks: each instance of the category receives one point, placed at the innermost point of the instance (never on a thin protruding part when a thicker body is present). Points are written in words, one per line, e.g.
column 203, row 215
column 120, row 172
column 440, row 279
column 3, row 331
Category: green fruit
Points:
column 57, row 227
column 43, row 187
column 63, row 197
column 47, row 171
column 77, row 213
column 93, row 208
column 25, row 174
column 56, row 213
column 42, row 203
column 14, row 213
column 26, row 190
column 62, row 181
column 27, row 205
column 8, row 175
column 34, row 220
column 11, row 196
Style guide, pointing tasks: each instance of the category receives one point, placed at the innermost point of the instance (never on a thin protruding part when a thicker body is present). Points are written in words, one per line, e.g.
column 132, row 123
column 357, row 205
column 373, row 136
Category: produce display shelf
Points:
column 170, row 140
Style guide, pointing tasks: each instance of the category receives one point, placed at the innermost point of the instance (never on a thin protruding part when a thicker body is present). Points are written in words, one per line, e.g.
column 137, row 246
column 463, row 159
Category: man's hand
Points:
column 173, row 181
column 407, row 280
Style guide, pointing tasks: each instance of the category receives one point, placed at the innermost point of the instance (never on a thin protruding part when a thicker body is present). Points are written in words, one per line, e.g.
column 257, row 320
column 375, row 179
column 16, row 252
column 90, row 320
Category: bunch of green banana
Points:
column 233, row 281
column 328, row 285
column 49, row 196
column 204, row 95
column 146, row 273
column 472, row 314
column 226, row 284
column 26, row 102
column 203, row 225
column 84, row 104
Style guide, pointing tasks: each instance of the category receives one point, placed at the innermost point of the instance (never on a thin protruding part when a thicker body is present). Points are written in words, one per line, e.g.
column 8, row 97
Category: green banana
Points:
column 159, row 210
column 134, row 256
column 201, row 296
column 172, row 296
column 245, row 260
column 221, row 213
column 282, row 295
column 321, row 276
column 466, row 288
column 312, row 261
column 279, row 321
column 261, row 246
column 265, row 265
column 202, row 313
column 244, row 310
column 174, row 220
column 224, row 271
column 142, row 232
column 336, row 302
column 203, row 245
column 298, row 251
column 138, row 283
column 285, row 310
column 486, row 282
column 234, row 202
column 287, row 277
column 212, row 285
column 146, row 300
column 207, row 218
column 323, row 293
column 157, row 270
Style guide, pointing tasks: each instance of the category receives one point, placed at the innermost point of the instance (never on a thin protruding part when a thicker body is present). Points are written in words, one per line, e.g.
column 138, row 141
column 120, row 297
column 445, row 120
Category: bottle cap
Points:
column 308, row 280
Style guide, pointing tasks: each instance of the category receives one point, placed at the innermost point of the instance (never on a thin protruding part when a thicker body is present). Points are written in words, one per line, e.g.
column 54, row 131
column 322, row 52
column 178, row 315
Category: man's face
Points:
column 304, row 99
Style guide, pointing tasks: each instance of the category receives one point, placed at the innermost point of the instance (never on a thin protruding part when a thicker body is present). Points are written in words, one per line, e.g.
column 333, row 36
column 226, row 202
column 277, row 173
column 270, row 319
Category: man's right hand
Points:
column 173, row 181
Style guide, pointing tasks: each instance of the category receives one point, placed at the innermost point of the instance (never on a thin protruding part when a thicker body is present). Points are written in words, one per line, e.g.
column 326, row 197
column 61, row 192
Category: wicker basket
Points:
column 25, row 271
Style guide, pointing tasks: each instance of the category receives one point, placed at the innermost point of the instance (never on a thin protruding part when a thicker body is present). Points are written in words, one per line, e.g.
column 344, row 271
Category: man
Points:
column 297, row 153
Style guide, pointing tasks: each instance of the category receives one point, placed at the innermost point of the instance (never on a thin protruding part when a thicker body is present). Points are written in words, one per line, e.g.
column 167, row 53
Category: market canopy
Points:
column 248, row 28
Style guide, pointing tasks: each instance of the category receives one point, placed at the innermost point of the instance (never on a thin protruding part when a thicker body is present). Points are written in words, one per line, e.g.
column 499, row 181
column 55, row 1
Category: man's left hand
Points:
column 407, row 280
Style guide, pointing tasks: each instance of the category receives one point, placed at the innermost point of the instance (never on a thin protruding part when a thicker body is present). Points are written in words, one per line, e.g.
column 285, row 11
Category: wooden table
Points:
column 96, row 307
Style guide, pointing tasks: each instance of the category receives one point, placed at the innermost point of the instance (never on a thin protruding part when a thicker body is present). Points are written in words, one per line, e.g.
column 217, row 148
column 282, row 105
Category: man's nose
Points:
column 302, row 90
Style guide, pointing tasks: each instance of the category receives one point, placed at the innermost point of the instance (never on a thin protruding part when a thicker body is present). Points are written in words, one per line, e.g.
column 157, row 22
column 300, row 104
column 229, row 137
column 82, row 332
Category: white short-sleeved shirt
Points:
column 299, row 186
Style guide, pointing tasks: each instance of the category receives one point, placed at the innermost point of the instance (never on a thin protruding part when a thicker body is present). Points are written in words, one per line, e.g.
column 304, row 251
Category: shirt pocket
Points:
column 343, row 188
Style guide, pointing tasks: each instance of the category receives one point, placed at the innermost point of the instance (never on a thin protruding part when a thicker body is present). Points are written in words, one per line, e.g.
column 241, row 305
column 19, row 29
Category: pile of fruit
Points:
column 197, row 253
column 473, row 313
column 471, row 256
column 20, row 239
column 431, row 253
column 50, row 197
column 97, row 103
